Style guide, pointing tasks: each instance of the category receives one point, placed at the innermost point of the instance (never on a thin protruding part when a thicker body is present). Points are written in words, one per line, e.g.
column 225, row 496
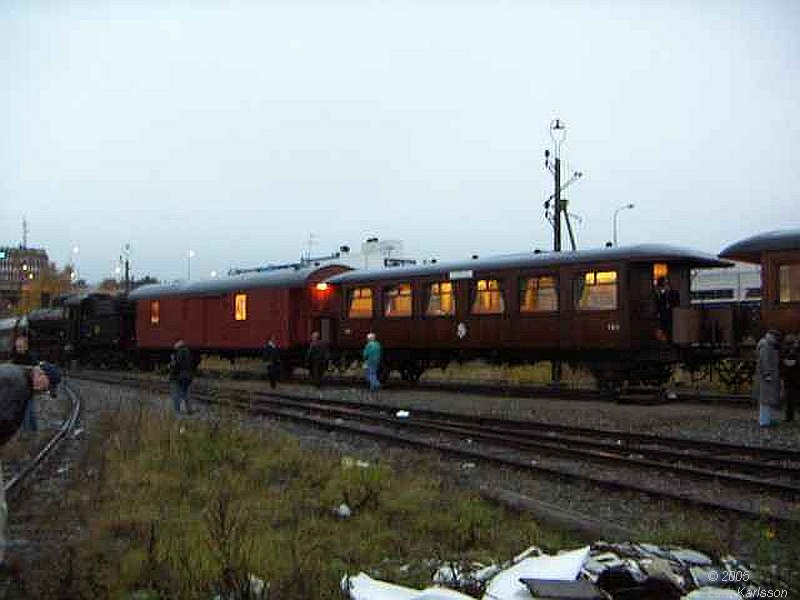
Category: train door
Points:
column 644, row 320
column 326, row 331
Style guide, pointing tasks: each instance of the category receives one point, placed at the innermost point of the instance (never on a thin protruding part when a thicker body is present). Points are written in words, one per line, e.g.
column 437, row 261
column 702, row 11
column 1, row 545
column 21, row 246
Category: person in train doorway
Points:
column 664, row 298
column 18, row 385
column 180, row 376
column 791, row 374
column 272, row 357
column 317, row 358
column 372, row 361
column 767, row 385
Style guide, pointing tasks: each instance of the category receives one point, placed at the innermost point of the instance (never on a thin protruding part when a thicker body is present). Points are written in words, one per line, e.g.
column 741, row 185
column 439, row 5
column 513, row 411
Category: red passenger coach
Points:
column 234, row 316
column 595, row 307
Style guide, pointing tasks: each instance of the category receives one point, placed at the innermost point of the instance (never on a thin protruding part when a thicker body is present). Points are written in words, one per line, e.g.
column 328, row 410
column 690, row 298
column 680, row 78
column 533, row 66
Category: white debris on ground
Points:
column 602, row 571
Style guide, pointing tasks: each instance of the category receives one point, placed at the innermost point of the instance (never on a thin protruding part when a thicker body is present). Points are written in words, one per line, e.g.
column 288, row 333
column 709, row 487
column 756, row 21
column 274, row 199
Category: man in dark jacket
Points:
column 23, row 356
column 791, row 374
column 18, row 385
column 272, row 356
column 317, row 358
column 180, row 376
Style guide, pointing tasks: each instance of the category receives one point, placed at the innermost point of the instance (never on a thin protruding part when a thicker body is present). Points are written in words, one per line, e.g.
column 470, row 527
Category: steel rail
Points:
column 14, row 483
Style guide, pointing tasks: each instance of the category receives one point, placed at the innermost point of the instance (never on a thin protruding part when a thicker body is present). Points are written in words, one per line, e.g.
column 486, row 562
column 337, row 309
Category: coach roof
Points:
column 750, row 249
column 288, row 277
column 534, row 260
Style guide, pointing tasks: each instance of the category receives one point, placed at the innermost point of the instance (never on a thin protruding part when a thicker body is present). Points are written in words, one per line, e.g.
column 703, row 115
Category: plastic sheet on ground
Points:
column 506, row 585
column 364, row 587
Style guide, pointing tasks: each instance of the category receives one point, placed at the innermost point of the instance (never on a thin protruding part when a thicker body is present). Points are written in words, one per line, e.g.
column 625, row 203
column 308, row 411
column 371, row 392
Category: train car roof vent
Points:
column 474, row 257
column 537, row 250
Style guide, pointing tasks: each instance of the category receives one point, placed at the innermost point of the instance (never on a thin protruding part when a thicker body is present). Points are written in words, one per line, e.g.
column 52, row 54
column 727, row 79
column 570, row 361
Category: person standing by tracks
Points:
column 317, row 358
column 272, row 356
column 180, row 376
column 23, row 356
column 791, row 374
column 767, row 384
column 18, row 386
column 372, row 361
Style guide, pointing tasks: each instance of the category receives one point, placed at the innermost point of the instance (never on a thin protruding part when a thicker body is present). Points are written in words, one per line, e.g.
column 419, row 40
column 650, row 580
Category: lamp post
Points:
column 189, row 265
column 616, row 216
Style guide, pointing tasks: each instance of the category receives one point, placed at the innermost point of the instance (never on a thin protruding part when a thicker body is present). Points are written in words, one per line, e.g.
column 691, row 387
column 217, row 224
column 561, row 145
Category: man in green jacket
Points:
column 372, row 361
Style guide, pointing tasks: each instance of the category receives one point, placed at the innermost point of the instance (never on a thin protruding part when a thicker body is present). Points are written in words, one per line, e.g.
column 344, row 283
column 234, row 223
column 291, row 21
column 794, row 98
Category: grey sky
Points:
column 238, row 129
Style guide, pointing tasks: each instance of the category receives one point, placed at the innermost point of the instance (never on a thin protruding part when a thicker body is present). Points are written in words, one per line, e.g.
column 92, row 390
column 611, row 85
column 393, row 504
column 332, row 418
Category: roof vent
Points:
column 474, row 257
column 537, row 251
column 433, row 261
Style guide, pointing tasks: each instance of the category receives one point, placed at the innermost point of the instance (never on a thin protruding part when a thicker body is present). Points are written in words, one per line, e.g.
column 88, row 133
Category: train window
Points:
column 155, row 312
column 789, row 283
column 441, row 300
column 660, row 270
column 596, row 290
column 360, row 303
column 488, row 298
column 397, row 301
column 240, row 307
column 538, row 294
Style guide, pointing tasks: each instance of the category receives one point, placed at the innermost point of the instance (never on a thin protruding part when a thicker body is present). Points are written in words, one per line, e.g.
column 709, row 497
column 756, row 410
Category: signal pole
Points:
column 127, row 268
column 558, row 133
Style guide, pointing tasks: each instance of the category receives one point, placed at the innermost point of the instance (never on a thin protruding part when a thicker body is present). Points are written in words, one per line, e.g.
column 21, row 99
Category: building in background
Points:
column 19, row 267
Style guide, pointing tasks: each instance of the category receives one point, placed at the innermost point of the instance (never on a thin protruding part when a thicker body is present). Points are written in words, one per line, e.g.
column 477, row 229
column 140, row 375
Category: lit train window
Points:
column 596, row 290
column 155, row 312
column 789, row 283
column 360, row 303
column 441, row 300
column 397, row 301
column 538, row 294
column 488, row 298
column 240, row 307
column 660, row 270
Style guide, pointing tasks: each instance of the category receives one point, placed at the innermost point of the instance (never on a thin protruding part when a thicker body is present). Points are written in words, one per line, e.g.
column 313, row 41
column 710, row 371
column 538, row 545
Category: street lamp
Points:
column 189, row 265
column 616, row 215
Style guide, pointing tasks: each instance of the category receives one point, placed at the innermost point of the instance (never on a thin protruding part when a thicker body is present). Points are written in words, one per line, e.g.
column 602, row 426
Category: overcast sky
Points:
column 238, row 129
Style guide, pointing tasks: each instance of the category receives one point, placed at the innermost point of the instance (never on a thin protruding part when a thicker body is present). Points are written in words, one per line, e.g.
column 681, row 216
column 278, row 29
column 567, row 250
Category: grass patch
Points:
column 190, row 509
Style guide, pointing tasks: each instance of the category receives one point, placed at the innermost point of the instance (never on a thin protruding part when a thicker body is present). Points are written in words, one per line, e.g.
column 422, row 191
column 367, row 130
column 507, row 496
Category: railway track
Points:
column 637, row 395
column 763, row 482
column 17, row 477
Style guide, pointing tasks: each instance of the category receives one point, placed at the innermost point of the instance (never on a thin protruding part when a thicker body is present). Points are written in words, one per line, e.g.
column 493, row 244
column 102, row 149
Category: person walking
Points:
column 372, row 361
column 767, row 385
column 180, row 376
column 272, row 356
column 791, row 374
column 317, row 358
